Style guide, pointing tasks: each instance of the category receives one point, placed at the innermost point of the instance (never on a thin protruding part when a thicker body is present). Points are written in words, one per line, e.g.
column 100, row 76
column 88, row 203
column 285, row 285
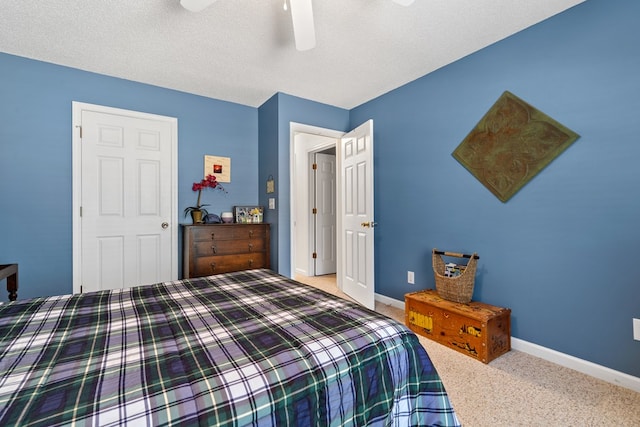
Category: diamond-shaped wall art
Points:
column 511, row 144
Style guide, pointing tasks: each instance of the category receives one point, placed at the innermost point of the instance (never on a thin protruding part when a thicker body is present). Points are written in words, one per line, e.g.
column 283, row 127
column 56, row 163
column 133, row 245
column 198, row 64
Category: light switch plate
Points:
column 636, row 329
column 272, row 203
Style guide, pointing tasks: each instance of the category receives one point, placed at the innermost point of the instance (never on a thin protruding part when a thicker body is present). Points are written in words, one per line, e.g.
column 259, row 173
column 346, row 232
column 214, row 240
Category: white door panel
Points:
column 108, row 263
column 127, row 198
column 149, row 258
column 357, row 222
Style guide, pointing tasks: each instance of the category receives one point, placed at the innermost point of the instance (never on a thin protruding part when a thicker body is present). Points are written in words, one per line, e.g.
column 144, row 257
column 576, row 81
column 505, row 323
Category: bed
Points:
column 245, row 348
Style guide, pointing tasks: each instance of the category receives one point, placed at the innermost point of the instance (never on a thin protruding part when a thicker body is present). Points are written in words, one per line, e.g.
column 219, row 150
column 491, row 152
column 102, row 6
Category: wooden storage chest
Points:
column 479, row 330
column 220, row 248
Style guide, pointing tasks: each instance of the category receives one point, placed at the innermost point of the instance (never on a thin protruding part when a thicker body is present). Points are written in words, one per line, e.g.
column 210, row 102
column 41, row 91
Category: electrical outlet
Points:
column 636, row 329
column 410, row 277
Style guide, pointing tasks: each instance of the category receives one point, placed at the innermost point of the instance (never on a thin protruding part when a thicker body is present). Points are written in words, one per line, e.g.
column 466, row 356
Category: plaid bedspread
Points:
column 246, row 348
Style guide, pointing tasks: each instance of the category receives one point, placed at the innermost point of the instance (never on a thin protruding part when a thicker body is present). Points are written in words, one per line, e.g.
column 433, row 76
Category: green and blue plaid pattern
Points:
column 249, row 348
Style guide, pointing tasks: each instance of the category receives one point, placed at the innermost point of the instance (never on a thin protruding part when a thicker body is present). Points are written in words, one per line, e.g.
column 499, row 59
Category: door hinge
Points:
column 80, row 288
column 314, row 211
column 80, row 128
column 81, row 211
column 314, row 256
column 314, row 166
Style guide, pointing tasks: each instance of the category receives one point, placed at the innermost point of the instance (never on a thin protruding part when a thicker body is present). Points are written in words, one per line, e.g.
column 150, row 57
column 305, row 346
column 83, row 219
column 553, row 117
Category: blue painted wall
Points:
column 35, row 158
column 562, row 252
column 268, row 159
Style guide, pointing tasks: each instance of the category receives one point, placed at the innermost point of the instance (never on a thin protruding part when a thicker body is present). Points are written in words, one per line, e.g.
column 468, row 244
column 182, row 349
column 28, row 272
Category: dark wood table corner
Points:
column 10, row 272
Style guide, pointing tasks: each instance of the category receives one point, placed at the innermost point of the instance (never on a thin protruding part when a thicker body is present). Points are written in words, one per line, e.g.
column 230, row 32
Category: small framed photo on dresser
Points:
column 248, row 214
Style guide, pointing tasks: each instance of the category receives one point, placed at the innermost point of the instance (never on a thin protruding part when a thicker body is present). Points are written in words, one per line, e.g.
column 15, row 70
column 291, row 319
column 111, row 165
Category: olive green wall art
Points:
column 511, row 144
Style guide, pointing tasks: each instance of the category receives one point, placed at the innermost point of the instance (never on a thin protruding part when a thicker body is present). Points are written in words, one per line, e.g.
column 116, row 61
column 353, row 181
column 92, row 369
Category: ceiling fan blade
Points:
column 303, row 28
column 196, row 5
column 404, row 2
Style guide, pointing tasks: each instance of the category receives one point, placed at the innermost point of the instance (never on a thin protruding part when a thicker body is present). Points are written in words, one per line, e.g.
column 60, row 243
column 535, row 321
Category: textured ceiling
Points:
column 243, row 50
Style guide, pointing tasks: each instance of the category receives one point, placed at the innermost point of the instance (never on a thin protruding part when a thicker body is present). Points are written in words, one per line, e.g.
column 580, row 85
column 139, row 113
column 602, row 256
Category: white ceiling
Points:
column 243, row 50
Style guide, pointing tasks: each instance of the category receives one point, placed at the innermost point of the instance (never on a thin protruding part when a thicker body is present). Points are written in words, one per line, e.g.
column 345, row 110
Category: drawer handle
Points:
column 446, row 315
column 213, row 266
column 213, row 236
column 214, row 250
column 250, row 262
column 250, row 247
column 250, row 233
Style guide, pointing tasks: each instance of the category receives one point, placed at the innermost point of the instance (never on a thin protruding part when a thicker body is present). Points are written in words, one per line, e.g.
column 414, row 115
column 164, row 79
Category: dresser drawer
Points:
column 225, row 247
column 228, row 232
column 206, row 266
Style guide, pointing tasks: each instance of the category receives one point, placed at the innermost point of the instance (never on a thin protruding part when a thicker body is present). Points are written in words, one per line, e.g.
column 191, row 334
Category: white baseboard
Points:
column 589, row 368
column 390, row 301
column 598, row 371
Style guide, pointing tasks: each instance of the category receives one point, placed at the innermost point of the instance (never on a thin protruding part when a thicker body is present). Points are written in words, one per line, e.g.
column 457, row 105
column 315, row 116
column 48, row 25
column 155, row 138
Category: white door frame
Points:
column 76, row 162
column 307, row 149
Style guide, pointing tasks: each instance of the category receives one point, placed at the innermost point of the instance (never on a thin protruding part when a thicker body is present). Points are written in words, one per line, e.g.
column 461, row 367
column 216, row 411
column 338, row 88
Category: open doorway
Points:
column 314, row 202
column 323, row 212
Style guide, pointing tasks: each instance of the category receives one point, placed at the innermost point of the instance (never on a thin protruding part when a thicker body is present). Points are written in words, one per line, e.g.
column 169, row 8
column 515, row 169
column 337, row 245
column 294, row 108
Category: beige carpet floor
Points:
column 518, row 389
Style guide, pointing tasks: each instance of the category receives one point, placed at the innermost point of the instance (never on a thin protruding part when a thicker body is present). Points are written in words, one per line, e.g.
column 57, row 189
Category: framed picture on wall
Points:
column 248, row 214
column 220, row 167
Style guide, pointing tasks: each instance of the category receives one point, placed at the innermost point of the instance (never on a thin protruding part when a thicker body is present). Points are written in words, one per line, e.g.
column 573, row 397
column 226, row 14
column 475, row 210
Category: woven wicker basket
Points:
column 458, row 288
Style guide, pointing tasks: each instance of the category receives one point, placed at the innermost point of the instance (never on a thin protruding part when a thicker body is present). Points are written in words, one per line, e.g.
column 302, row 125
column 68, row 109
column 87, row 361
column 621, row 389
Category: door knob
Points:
column 369, row 224
column 165, row 225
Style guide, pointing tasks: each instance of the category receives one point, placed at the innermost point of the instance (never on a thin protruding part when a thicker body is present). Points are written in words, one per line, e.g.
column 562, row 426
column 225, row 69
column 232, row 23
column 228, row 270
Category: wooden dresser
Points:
column 220, row 248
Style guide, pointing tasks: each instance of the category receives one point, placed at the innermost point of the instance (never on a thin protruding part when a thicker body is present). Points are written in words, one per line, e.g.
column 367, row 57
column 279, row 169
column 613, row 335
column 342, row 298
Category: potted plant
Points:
column 198, row 211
